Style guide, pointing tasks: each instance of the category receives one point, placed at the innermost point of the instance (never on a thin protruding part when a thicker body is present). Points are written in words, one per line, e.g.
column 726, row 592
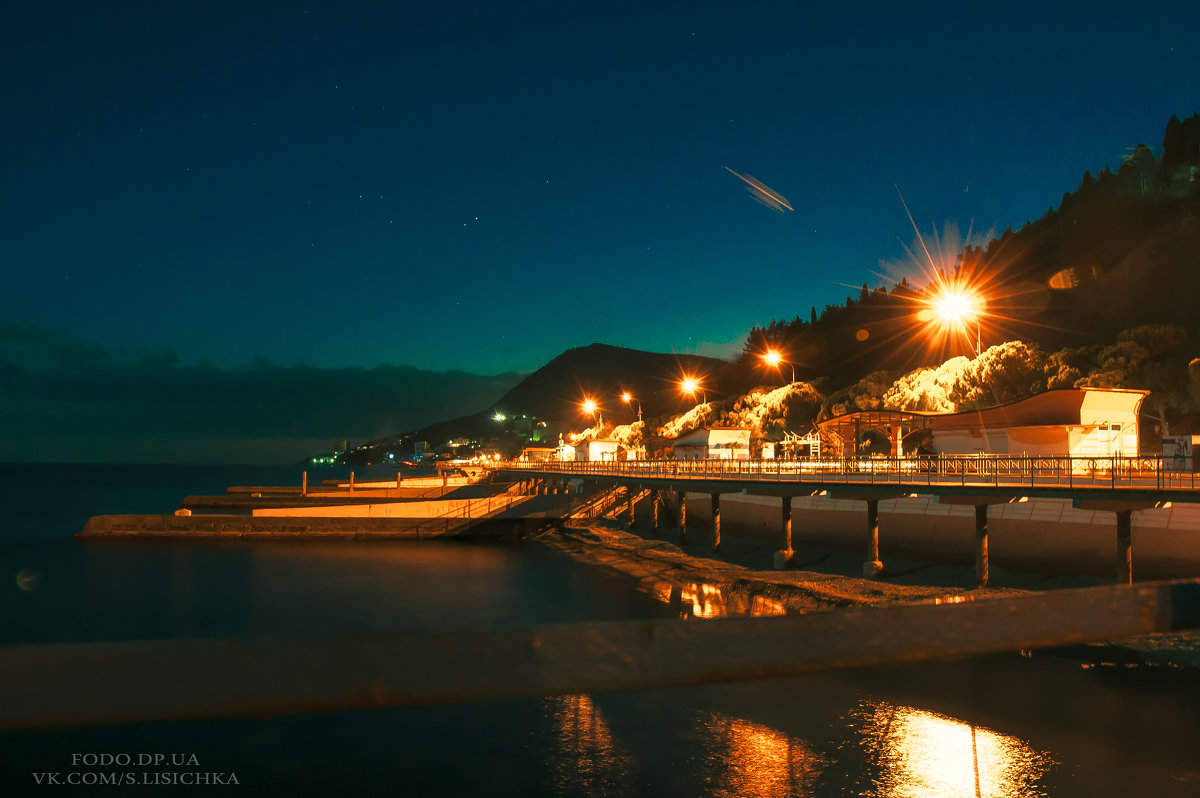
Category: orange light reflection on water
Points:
column 752, row 759
column 924, row 755
column 587, row 760
column 704, row 600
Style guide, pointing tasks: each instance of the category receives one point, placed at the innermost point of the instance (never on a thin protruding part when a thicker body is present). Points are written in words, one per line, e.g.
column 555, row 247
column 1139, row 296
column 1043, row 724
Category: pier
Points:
column 1120, row 485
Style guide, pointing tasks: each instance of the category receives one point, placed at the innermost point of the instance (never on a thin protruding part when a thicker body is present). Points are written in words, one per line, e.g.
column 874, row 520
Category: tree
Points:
column 1150, row 357
column 1173, row 144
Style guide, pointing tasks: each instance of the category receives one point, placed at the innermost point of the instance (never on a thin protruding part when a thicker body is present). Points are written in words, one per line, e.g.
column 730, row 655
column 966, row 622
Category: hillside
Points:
column 599, row 371
column 1120, row 251
column 1078, row 286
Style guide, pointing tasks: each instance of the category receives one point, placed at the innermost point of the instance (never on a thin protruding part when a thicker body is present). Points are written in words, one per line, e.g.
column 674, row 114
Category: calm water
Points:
column 995, row 726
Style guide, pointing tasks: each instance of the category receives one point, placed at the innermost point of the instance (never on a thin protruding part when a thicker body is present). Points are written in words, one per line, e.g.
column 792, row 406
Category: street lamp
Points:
column 590, row 407
column 958, row 307
column 628, row 399
column 690, row 385
column 773, row 359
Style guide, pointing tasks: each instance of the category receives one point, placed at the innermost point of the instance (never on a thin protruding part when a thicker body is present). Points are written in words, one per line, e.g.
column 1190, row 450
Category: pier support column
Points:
column 1124, row 547
column 352, row 481
column 682, row 516
column 872, row 567
column 632, row 501
column 716, row 515
column 786, row 556
column 304, row 484
column 981, row 545
column 655, row 498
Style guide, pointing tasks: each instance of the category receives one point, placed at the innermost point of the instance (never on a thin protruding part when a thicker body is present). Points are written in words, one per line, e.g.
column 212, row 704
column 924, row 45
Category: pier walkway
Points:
column 1121, row 485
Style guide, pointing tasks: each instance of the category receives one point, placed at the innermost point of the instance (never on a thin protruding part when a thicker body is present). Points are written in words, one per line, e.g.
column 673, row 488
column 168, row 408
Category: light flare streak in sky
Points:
column 763, row 193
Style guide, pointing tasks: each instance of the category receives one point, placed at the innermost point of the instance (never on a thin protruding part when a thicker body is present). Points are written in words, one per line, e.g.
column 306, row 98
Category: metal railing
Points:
column 996, row 470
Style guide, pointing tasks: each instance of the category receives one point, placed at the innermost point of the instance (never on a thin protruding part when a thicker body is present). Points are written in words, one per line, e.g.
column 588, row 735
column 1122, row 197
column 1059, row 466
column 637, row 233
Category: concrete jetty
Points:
column 374, row 510
column 234, row 526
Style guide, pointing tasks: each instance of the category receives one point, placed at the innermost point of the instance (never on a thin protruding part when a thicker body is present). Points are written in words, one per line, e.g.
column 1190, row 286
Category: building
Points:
column 539, row 454
column 596, row 450
column 1080, row 422
column 1075, row 422
column 714, row 443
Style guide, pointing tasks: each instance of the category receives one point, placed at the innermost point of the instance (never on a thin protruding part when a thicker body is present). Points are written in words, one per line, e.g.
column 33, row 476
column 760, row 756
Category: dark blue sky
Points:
column 476, row 186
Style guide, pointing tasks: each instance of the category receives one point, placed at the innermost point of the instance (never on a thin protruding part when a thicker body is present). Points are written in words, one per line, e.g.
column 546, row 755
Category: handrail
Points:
column 1111, row 471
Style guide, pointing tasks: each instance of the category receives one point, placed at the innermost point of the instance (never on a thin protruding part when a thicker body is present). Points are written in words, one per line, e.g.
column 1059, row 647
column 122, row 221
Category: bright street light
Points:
column 590, row 407
column 955, row 307
column 628, row 399
column 773, row 359
column 690, row 385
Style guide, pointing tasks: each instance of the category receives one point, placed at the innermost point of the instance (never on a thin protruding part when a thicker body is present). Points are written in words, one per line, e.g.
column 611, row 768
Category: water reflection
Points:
column 750, row 759
column 704, row 600
column 920, row 753
column 586, row 761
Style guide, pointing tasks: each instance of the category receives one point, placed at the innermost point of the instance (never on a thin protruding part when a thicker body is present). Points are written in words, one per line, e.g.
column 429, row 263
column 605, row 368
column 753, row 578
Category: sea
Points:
column 1012, row 725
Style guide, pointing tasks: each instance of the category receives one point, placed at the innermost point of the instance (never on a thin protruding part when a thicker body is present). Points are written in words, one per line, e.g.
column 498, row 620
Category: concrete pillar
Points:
column 981, row 544
column 682, row 516
column 716, row 514
column 897, row 442
column 304, row 484
column 1125, row 547
column 786, row 556
column 655, row 498
column 632, row 496
column 351, row 481
column 399, row 478
column 872, row 567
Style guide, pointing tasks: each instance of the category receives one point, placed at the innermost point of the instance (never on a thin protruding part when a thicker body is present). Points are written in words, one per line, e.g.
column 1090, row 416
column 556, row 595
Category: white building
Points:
column 594, row 450
column 1080, row 422
column 1074, row 422
column 714, row 443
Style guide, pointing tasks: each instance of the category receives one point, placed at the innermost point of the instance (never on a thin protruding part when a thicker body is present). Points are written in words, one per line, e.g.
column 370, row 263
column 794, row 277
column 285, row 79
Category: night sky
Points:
column 475, row 187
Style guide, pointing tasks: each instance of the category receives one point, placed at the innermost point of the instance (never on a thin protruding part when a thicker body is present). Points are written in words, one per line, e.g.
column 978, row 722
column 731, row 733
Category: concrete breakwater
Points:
column 337, row 511
column 233, row 526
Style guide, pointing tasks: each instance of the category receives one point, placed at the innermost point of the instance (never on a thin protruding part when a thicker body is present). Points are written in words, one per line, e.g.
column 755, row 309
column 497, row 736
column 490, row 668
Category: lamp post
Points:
column 775, row 360
column 629, row 399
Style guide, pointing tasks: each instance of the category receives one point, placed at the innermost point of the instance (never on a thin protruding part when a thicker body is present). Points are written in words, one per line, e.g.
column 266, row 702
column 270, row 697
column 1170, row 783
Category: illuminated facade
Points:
column 1076, row 422
column 1079, row 422
column 714, row 443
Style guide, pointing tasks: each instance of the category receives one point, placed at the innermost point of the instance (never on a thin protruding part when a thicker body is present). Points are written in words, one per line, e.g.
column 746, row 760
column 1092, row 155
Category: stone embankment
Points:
column 376, row 510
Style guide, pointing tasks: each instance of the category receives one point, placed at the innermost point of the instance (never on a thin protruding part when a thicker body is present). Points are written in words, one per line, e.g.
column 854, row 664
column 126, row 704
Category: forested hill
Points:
column 1122, row 250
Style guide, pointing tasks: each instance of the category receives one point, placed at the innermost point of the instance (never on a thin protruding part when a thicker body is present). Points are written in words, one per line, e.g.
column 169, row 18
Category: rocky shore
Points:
column 703, row 585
